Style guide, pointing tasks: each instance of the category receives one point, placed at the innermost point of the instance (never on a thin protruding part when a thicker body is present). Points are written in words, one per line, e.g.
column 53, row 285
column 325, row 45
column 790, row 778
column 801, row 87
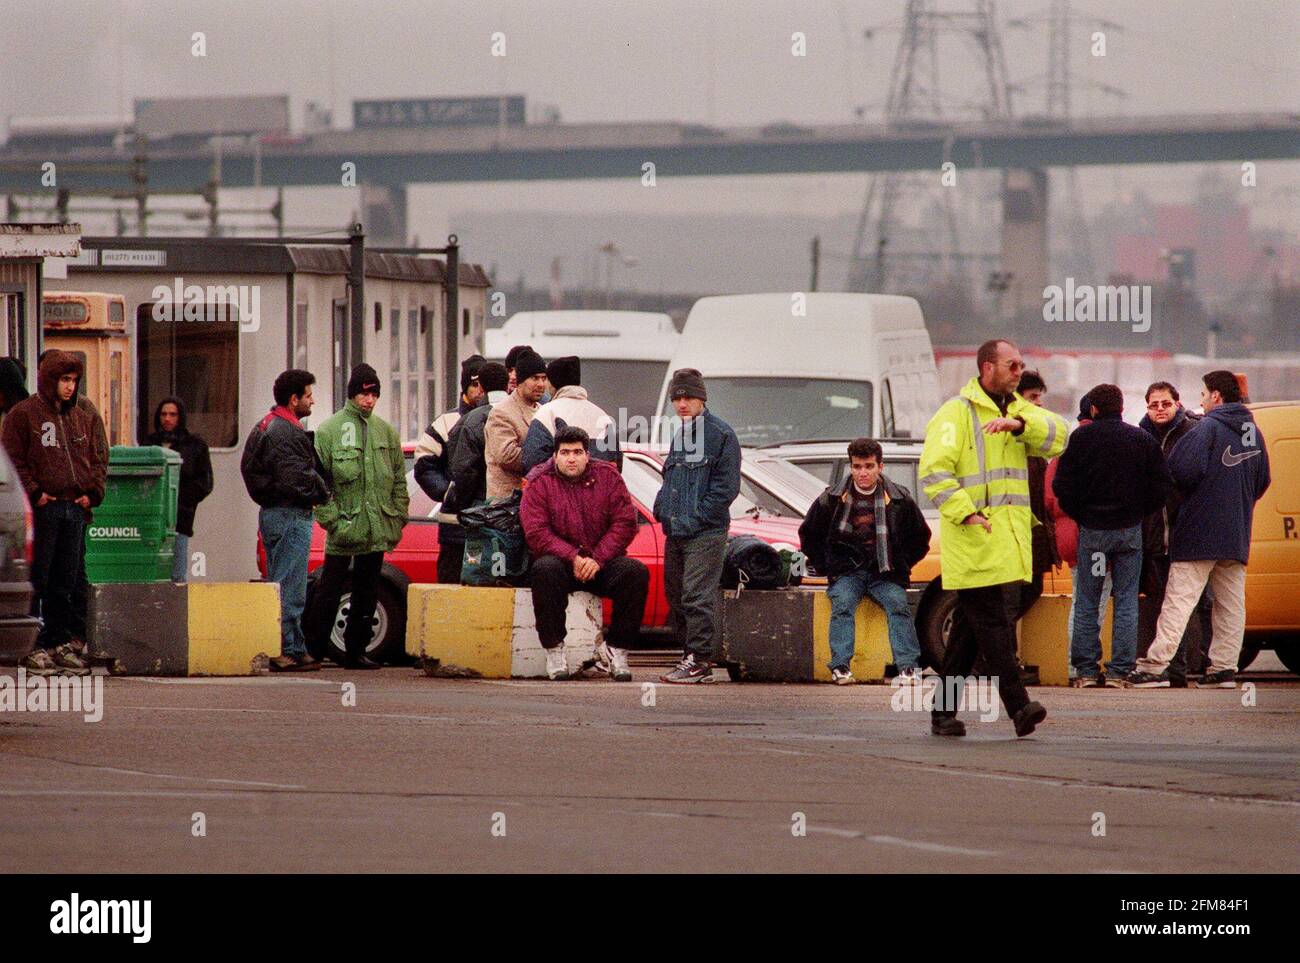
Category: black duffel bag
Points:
column 754, row 563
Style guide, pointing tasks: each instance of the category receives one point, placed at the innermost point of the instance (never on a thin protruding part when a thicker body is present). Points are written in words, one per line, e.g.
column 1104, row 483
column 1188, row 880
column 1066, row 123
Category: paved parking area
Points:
column 441, row 775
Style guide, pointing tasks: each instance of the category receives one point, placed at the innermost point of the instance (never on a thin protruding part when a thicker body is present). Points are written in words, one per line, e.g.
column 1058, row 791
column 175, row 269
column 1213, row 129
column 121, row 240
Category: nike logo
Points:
column 1232, row 461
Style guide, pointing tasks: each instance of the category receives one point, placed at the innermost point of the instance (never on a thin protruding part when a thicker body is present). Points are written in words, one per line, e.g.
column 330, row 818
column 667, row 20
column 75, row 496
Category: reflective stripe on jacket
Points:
column 964, row 471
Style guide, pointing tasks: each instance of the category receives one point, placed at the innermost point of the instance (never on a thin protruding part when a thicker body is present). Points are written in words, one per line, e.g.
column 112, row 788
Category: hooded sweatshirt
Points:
column 196, row 463
column 52, row 443
column 1221, row 467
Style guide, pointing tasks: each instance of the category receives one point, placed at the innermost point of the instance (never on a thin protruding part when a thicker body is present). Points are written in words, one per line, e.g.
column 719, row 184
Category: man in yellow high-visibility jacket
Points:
column 974, row 469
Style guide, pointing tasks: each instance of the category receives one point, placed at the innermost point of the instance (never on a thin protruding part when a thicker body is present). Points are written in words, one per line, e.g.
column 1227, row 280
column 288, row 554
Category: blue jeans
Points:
column 181, row 558
column 846, row 592
column 286, row 535
column 1122, row 549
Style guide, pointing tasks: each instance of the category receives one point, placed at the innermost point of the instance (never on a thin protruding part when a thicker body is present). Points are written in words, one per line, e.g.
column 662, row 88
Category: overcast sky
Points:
column 726, row 62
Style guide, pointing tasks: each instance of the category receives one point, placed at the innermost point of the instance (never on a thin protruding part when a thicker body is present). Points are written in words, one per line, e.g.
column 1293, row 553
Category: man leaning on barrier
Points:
column 974, row 467
column 579, row 519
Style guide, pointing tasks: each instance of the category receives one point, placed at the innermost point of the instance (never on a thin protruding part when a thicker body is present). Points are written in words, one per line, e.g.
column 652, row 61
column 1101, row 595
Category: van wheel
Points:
column 1249, row 650
column 934, row 627
column 1289, row 654
column 388, row 625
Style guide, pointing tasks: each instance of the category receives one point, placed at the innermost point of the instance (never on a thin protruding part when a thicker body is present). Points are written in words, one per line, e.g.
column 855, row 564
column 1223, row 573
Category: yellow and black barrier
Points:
column 784, row 636
column 212, row 628
column 491, row 632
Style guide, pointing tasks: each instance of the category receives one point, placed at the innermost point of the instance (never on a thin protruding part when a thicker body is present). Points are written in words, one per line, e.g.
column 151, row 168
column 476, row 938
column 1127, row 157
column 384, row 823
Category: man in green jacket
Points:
column 362, row 458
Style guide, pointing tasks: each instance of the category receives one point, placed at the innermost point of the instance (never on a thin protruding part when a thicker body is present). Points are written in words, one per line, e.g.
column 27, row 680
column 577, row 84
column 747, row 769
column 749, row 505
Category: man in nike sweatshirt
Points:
column 1221, row 466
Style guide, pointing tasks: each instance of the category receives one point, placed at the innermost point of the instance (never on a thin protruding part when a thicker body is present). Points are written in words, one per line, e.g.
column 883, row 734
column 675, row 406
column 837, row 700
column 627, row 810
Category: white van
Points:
column 811, row 367
column 624, row 354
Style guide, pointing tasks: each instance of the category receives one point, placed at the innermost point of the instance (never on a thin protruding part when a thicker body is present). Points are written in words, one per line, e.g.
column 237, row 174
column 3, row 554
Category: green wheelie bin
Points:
column 134, row 531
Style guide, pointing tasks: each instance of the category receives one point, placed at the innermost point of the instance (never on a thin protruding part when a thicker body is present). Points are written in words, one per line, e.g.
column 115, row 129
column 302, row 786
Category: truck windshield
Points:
column 766, row 410
column 631, row 385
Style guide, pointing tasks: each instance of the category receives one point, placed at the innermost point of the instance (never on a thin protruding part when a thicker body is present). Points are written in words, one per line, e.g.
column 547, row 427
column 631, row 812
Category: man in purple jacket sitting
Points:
column 579, row 519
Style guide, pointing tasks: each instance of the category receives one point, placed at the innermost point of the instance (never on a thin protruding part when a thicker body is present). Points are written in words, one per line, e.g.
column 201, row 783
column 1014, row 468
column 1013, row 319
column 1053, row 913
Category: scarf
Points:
column 843, row 526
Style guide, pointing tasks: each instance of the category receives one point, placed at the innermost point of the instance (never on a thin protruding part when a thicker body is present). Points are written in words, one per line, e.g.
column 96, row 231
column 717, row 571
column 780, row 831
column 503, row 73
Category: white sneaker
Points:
column 909, row 677
column 618, row 667
column 557, row 666
column 842, row 677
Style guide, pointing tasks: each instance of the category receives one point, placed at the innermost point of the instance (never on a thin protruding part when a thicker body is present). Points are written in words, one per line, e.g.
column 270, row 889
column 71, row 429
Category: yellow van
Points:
column 1273, row 573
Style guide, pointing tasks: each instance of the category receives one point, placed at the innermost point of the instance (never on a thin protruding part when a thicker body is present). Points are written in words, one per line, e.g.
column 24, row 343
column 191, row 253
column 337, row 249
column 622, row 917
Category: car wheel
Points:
column 1289, row 654
column 935, row 626
column 388, row 625
column 1249, row 650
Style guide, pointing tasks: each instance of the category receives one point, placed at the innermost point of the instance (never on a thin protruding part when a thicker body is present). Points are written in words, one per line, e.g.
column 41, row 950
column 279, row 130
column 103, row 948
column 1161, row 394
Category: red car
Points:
column 415, row 558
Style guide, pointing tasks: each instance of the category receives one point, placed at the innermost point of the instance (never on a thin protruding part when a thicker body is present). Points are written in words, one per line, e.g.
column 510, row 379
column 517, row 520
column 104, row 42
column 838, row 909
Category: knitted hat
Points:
column 469, row 369
column 493, row 376
column 564, row 371
column 528, row 363
column 363, row 379
column 687, row 383
column 512, row 356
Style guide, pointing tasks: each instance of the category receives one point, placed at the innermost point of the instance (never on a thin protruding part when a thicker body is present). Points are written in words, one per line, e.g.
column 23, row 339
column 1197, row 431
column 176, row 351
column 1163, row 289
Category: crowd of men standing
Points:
column 1163, row 508
column 1168, row 502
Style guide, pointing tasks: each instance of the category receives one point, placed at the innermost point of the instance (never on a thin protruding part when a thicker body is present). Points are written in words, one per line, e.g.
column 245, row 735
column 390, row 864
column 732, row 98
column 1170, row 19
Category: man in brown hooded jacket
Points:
column 53, row 443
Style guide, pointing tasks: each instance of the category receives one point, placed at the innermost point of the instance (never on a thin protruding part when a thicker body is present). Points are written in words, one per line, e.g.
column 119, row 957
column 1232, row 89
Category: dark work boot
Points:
column 947, row 726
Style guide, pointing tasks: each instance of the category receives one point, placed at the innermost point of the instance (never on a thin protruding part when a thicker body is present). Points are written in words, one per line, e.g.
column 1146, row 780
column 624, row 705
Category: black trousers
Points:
column 1030, row 592
column 984, row 626
column 58, row 552
column 450, row 557
column 361, row 606
column 623, row 580
column 77, row 614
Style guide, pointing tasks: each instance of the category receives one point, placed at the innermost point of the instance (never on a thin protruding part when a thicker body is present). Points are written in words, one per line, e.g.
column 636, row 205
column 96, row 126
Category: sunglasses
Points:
column 1159, row 405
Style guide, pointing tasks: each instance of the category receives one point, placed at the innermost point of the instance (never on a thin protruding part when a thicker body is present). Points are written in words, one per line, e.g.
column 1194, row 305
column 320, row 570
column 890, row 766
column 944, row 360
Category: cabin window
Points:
column 195, row 360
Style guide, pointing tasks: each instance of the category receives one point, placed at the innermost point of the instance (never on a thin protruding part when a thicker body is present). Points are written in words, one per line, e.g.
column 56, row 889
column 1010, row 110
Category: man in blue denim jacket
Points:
column 701, row 480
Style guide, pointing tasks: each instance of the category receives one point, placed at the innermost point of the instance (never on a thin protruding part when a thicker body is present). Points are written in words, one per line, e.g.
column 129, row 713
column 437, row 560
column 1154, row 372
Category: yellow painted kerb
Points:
column 230, row 623
column 463, row 625
column 871, row 652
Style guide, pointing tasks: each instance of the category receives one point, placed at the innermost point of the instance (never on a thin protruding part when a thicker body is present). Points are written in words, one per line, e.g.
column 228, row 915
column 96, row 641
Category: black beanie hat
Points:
column 687, row 383
column 528, row 363
column 512, row 356
column 565, row 371
column 493, row 376
column 469, row 369
column 363, row 378
column 1085, row 408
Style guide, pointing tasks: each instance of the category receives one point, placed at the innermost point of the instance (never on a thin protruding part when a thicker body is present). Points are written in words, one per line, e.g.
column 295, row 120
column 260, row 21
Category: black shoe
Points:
column 1028, row 718
column 361, row 662
column 947, row 726
column 1227, row 679
column 1138, row 679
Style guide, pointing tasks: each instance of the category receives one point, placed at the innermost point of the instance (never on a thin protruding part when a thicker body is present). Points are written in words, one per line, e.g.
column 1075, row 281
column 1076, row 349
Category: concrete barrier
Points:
column 160, row 628
column 491, row 631
column 1045, row 639
column 784, row 636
